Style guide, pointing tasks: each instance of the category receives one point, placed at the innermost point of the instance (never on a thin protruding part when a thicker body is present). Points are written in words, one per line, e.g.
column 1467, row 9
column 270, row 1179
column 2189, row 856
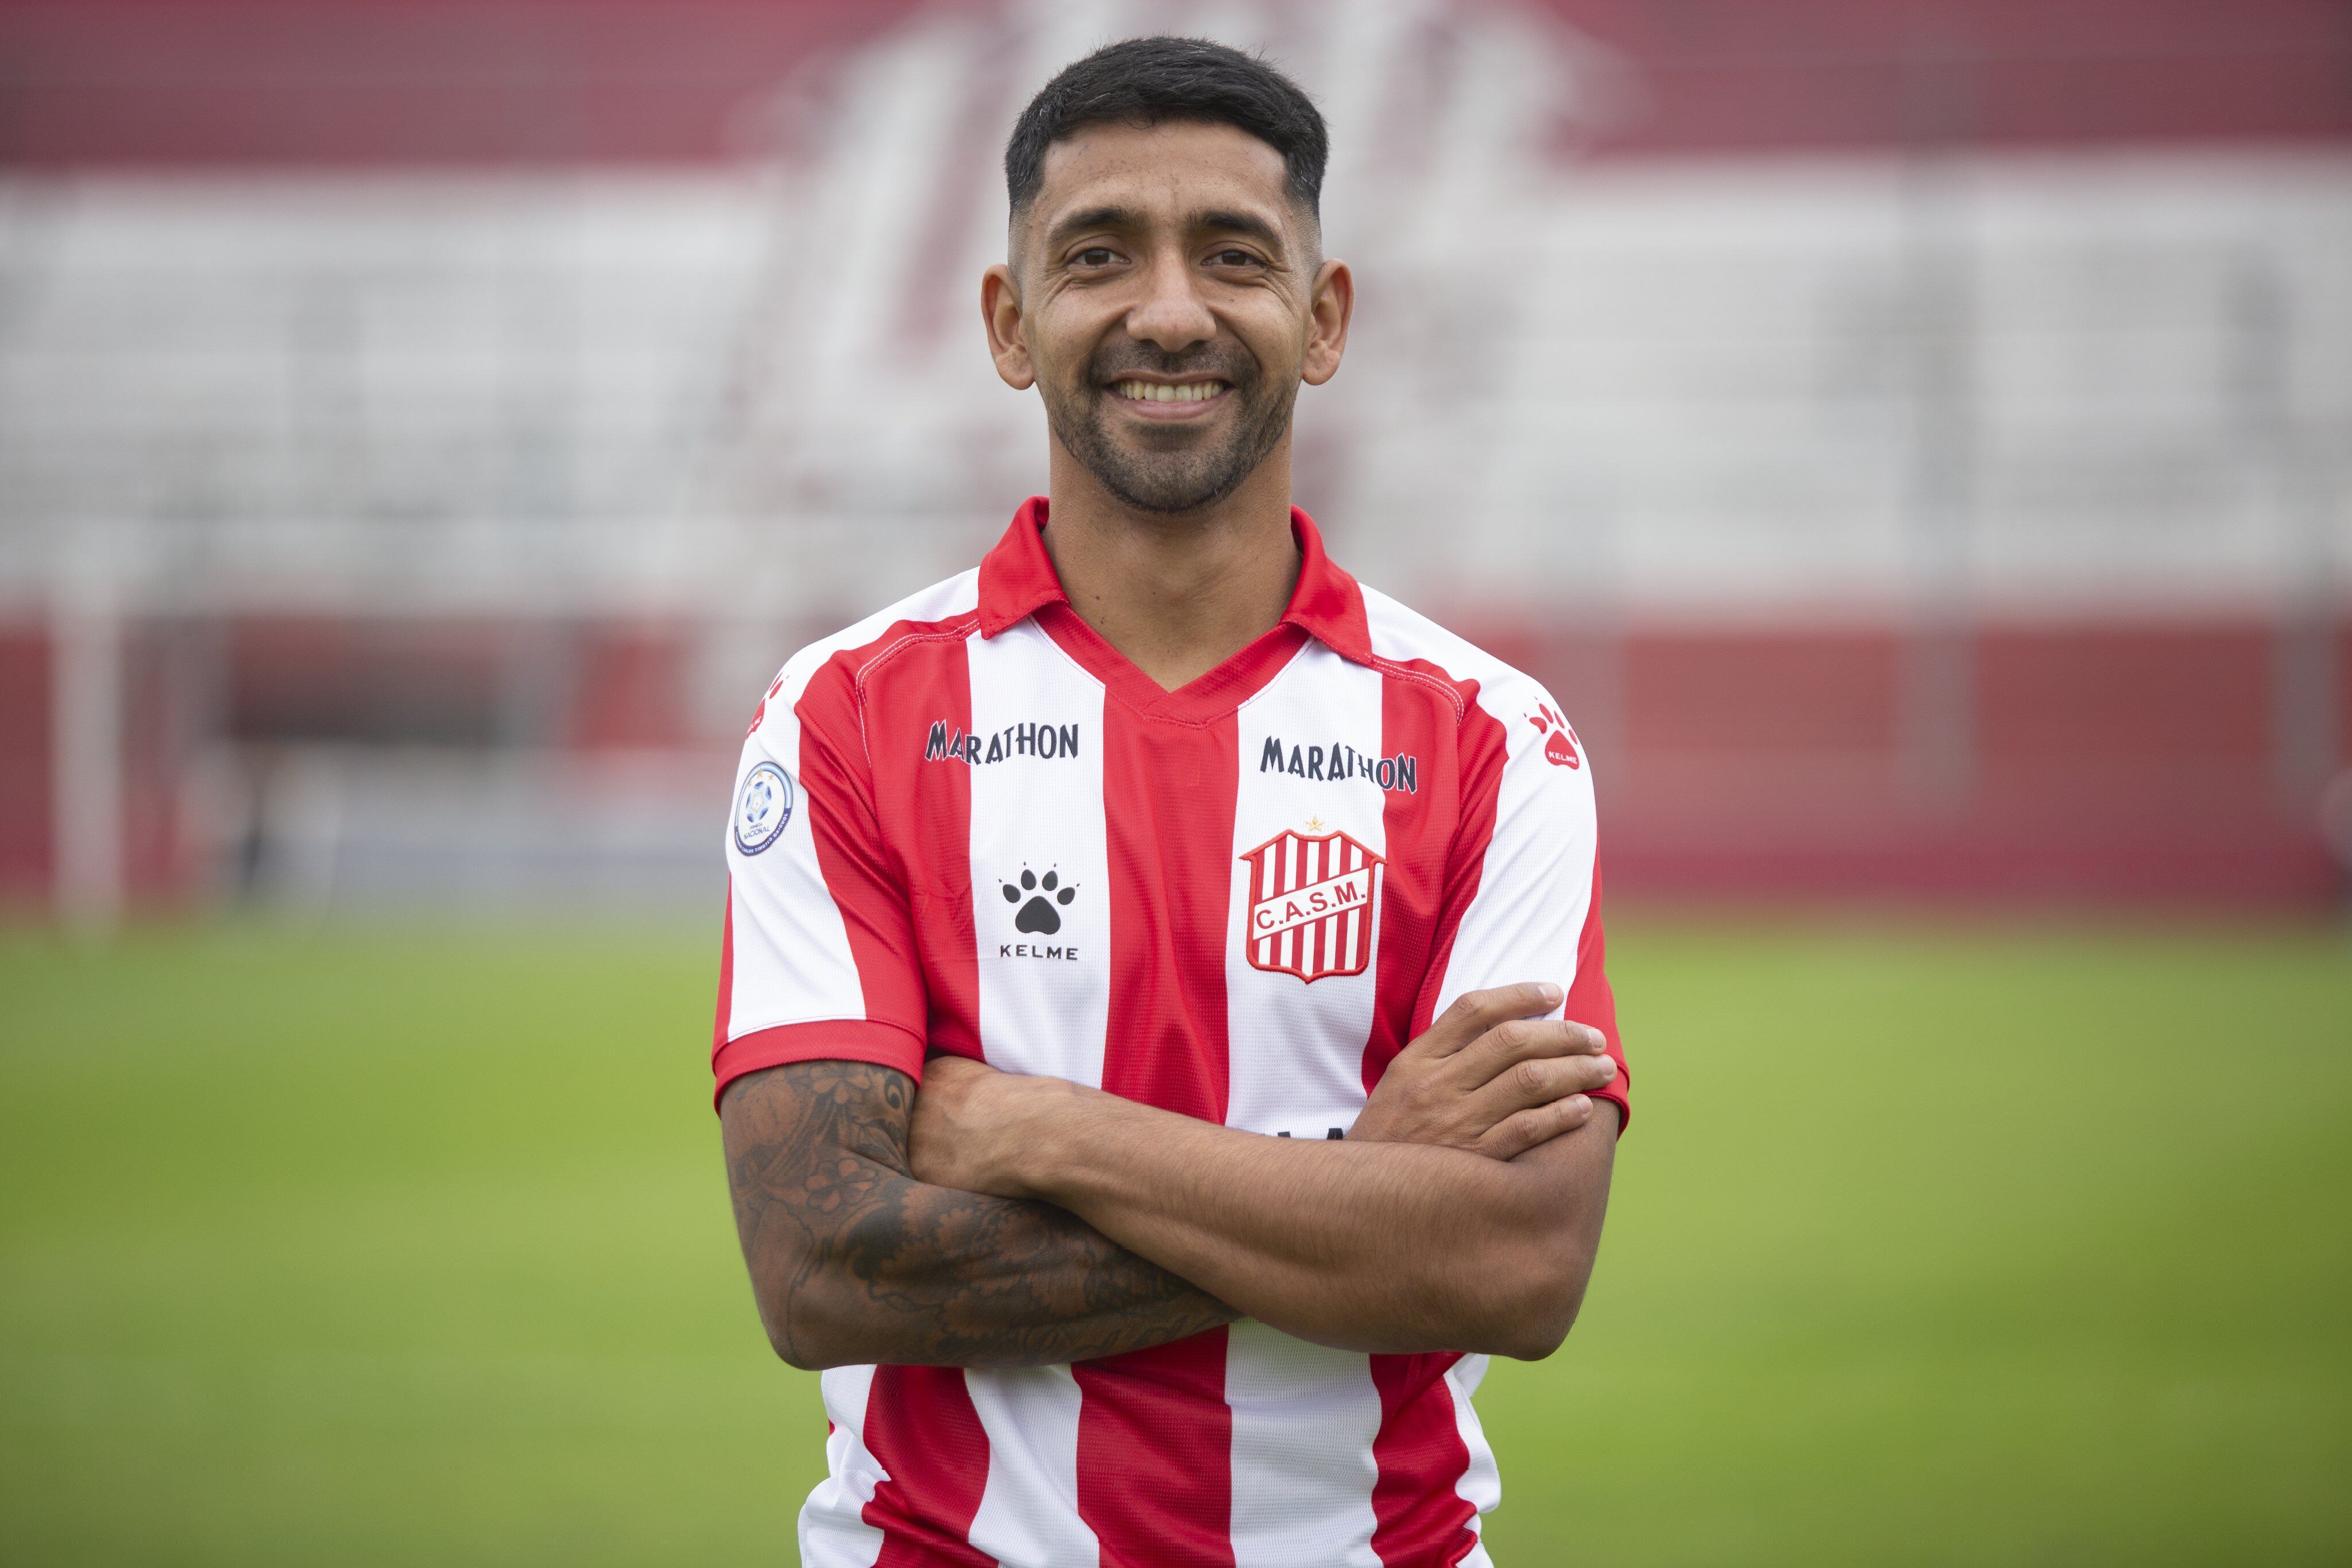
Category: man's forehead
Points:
column 1172, row 172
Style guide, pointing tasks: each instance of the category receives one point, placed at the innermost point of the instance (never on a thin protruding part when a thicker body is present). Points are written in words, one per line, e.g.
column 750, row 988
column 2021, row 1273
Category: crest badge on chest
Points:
column 1312, row 901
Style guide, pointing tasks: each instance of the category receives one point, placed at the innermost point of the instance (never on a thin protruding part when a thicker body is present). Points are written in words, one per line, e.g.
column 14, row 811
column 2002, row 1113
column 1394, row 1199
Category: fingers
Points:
column 1524, row 1130
column 1540, row 1081
column 1473, row 1013
column 1518, row 1039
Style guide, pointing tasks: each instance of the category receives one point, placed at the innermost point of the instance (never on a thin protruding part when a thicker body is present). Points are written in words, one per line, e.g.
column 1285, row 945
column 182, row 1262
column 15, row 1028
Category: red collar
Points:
column 1016, row 581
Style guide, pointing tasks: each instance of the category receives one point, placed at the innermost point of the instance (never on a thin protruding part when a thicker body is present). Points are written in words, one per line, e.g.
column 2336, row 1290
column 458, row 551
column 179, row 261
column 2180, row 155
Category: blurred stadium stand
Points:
column 1914, row 440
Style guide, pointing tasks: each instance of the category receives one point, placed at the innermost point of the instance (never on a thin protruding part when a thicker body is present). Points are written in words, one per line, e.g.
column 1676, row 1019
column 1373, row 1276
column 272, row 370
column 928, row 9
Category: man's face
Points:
column 1165, row 302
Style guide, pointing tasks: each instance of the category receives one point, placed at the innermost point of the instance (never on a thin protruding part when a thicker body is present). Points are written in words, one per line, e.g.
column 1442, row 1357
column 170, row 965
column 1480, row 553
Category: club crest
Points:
column 1311, row 906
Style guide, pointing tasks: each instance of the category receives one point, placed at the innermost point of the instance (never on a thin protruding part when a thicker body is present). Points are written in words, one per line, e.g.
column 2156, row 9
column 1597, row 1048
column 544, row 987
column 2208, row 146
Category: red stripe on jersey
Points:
column 1155, row 1435
column 1592, row 1002
column 1419, row 1518
column 1479, row 777
column 1155, row 1455
column 1419, row 718
column 926, row 803
column 1168, row 816
column 858, row 872
column 922, row 1430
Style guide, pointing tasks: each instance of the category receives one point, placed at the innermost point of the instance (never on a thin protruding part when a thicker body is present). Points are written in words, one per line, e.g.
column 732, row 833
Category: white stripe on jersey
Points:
column 1277, row 1082
column 1029, row 1512
column 832, row 1530
column 1303, row 1420
column 793, row 962
column 1045, row 1013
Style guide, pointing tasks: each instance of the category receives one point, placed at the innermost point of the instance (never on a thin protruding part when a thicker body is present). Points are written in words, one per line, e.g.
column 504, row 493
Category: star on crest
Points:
column 1314, row 824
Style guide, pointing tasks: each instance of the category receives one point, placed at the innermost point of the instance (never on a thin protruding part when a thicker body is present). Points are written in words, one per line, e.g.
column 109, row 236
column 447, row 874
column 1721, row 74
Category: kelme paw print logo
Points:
column 1559, row 741
column 1038, row 916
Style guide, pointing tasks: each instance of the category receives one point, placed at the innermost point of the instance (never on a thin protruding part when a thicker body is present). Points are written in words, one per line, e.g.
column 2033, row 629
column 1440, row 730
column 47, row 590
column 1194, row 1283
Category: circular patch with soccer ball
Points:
column 763, row 807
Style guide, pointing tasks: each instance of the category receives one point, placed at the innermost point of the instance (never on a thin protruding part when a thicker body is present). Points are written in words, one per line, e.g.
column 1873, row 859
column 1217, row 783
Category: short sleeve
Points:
column 1522, row 879
column 819, row 959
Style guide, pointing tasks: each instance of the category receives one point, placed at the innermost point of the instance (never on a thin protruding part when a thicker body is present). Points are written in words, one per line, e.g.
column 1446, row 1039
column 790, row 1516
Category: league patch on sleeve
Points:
column 763, row 807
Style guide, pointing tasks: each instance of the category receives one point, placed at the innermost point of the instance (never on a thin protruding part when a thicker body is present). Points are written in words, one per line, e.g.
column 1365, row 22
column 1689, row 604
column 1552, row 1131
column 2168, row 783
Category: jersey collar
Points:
column 1017, row 580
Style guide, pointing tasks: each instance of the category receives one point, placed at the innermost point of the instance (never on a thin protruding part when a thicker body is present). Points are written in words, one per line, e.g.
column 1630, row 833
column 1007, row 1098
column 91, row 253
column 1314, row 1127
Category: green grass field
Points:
column 1931, row 1244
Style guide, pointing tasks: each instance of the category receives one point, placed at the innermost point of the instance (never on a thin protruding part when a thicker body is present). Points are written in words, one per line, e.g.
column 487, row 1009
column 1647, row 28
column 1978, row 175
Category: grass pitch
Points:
column 1931, row 1245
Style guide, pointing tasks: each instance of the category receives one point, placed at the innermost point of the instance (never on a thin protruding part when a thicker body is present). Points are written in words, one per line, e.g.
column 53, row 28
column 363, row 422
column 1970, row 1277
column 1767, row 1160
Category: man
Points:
column 1150, row 851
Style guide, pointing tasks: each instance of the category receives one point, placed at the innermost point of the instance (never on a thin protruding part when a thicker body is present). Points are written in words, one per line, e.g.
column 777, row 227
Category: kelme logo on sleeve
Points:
column 1559, row 741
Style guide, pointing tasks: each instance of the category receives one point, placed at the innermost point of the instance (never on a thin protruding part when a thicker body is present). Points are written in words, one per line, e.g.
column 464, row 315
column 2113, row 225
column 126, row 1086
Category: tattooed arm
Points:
column 1462, row 1212
column 854, row 1261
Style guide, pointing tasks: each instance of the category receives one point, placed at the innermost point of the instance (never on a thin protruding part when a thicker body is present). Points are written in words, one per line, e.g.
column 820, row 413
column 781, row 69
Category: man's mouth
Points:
column 1167, row 391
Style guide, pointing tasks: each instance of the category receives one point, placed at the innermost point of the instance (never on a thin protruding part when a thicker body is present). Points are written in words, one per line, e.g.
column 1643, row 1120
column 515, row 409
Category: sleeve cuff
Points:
column 1619, row 1091
column 827, row 1039
column 1616, row 1095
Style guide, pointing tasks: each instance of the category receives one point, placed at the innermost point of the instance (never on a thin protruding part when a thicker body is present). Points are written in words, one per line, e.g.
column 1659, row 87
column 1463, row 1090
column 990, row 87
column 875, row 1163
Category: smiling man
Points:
column 1162, row 1045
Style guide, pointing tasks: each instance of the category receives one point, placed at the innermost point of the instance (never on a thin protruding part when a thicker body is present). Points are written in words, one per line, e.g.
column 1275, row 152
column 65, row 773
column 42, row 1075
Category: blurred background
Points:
column 1914, row 445
column 1914, row 438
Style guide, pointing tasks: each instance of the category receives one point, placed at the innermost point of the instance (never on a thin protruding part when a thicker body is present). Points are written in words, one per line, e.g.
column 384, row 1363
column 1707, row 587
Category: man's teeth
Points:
column 1159, row 392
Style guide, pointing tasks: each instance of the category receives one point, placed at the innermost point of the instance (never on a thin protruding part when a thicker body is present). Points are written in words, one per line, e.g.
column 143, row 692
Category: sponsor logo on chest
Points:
column 1036, row 900
column 1050, row 741
column 1338, row 764
column 1311, row 907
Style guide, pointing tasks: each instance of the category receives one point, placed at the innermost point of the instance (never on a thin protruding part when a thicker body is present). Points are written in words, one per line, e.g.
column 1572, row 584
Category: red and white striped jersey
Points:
column 969, row 825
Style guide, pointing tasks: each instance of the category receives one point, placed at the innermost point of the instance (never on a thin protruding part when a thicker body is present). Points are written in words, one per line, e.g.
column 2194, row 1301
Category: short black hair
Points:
column 1147, row 82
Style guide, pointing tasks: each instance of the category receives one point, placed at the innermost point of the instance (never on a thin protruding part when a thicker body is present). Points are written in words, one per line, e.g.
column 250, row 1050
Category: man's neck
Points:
column 1179, row 594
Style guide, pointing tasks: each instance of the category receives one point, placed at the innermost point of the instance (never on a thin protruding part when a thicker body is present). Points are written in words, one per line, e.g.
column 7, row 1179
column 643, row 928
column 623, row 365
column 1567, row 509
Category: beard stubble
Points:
column 1188, row 473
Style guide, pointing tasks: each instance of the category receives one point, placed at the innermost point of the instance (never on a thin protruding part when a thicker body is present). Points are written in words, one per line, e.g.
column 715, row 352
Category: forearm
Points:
column 917, row 1275
column 853, row 1261
column 1369, row 1246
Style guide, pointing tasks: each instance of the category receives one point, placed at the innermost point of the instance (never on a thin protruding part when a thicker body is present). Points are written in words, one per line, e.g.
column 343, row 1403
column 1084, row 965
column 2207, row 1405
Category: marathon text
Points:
column 1047, row 741
column 1338, row 764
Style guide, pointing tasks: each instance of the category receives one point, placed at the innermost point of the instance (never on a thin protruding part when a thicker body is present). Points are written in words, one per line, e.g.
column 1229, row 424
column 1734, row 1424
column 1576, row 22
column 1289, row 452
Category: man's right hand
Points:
column 1493, row 1077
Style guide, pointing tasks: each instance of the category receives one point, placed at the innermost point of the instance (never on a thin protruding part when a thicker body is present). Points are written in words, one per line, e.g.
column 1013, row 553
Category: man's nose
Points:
column 1171, row 314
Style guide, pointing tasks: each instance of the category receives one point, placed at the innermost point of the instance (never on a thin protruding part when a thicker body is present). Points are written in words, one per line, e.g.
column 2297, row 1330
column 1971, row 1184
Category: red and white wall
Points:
column 1914, row 441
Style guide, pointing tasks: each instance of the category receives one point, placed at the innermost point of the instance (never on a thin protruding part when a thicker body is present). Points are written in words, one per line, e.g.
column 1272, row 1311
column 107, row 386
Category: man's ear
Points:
column 1008, row 339
column 1331, row 307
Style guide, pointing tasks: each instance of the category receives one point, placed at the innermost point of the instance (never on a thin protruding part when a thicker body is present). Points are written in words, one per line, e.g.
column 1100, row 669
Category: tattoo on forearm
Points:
column 816, row 1156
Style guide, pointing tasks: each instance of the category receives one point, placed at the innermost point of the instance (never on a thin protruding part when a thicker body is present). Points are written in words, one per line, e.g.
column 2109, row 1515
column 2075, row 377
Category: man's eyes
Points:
column 1094, row 257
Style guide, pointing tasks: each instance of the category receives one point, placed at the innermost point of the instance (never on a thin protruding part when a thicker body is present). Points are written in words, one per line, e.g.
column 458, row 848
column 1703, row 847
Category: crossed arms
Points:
column 1000, row 1220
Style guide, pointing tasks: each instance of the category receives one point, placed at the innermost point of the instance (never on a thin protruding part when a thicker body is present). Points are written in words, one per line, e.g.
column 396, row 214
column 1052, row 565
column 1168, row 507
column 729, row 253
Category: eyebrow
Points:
column 1248, row 223
column 1117, row 217
column 1109, row 217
